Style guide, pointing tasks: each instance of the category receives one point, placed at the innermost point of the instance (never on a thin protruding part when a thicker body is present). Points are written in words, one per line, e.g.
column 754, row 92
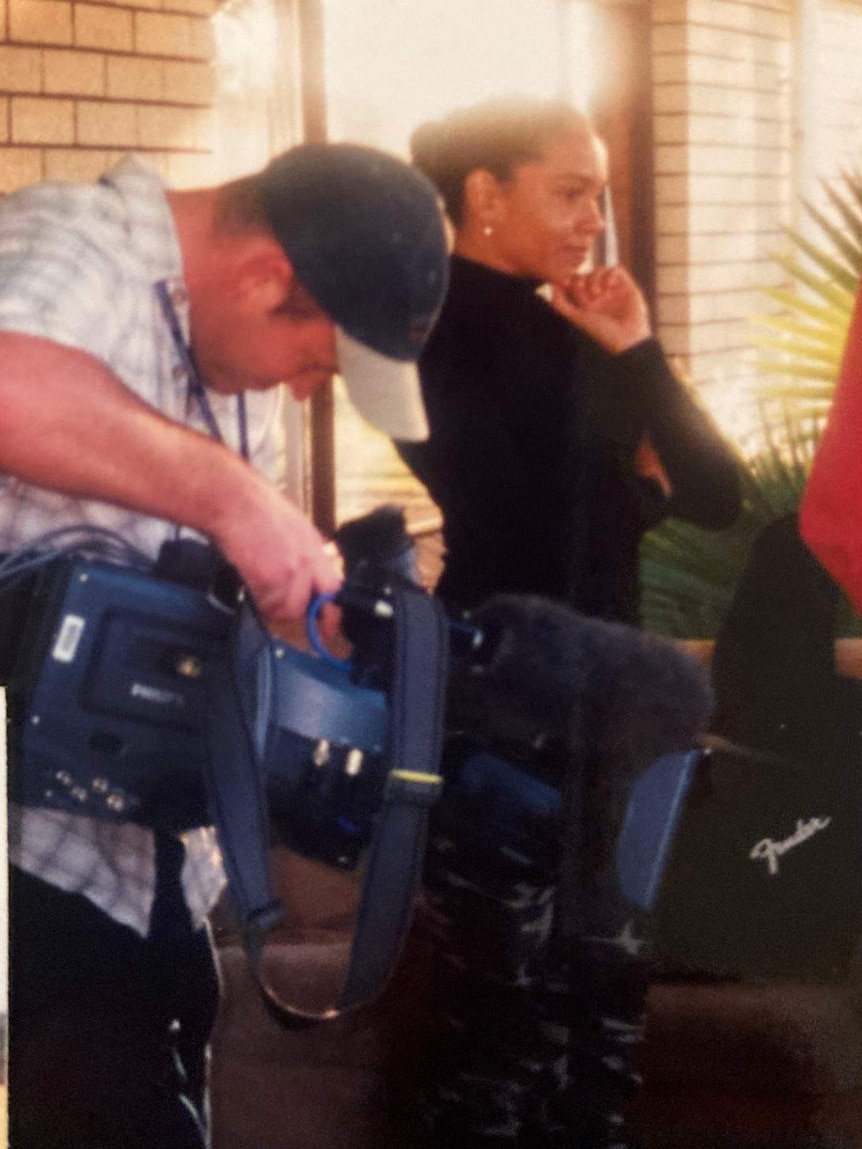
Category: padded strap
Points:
column 234, row 781
column 236, row 786
column 417, row 707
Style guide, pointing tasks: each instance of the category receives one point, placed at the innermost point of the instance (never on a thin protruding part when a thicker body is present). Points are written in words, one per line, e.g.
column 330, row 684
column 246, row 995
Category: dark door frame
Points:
column 312, row 63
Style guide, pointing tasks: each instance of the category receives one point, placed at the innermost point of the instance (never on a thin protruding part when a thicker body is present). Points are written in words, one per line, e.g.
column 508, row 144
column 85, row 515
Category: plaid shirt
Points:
column 78, row 266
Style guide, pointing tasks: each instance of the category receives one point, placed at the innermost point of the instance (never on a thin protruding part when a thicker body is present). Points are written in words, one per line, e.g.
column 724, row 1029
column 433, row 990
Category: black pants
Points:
column 108, row 1030
column 530, row 1040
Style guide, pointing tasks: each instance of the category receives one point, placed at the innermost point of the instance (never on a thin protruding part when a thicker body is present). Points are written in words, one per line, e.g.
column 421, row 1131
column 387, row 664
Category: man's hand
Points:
column 608, row 305
column 279, row 554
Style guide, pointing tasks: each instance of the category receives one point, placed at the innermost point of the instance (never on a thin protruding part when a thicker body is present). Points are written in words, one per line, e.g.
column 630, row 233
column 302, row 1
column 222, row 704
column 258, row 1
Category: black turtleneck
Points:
column 533, row 433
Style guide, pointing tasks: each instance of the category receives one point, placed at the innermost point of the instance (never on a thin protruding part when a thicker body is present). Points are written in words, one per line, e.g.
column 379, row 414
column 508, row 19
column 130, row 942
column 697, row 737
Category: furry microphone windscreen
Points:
column 611, row 700
column 624, row 693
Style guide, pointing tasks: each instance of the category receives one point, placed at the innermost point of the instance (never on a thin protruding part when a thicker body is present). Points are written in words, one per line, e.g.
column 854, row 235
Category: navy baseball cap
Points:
column 365, row 235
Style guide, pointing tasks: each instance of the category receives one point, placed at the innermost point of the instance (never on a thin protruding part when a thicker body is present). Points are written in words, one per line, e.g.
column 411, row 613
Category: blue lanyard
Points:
column 196, row 389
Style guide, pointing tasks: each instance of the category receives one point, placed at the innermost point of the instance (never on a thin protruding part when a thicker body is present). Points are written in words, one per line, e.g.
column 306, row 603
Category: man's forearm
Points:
column 68, row 424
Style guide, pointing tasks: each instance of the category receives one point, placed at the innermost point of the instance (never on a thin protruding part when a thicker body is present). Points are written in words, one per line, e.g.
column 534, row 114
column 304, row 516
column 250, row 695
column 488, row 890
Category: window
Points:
column 389, row 66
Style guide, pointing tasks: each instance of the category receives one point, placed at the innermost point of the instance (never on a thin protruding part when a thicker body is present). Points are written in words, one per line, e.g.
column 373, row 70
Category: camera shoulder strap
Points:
column 236, row 788
column 234, row 779
column 417, row 706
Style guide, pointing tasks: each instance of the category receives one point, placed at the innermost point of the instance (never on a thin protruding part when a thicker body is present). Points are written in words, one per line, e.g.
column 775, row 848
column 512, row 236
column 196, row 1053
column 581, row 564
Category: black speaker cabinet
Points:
column 764, row 881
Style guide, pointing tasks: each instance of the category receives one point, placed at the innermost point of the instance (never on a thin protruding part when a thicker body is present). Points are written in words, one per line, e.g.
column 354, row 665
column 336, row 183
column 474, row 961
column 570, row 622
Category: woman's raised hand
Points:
column 607, row 304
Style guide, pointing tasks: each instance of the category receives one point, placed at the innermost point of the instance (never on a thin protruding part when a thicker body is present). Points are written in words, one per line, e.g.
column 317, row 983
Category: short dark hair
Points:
column 496, row 135
column 240, row 206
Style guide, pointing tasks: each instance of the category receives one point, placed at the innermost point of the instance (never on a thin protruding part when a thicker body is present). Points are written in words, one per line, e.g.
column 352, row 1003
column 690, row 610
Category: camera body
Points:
column 110, row 708
column 108, row 699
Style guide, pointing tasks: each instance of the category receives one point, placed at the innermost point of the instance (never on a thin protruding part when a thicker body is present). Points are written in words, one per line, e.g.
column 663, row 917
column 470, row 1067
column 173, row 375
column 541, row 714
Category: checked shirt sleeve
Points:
column 58, row 280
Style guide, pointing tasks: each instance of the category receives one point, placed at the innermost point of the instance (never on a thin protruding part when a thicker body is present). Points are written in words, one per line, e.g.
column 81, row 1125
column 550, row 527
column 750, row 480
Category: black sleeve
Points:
column 636, row 392
column 498, row 526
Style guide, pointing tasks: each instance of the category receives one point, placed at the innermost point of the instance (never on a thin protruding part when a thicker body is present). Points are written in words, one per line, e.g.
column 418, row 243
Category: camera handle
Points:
column 313, row 634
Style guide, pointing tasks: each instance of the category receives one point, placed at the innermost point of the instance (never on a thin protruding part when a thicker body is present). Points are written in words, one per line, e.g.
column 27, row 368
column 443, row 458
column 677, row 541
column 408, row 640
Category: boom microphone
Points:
column 542, row 667
column 589, row 704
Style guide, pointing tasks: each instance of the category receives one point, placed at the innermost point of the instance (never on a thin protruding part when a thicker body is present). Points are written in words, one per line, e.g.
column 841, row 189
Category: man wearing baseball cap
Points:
column 143, row 334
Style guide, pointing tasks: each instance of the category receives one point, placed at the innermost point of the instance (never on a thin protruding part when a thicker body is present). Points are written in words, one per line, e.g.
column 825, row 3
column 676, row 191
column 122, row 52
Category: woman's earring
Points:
column 487, row 230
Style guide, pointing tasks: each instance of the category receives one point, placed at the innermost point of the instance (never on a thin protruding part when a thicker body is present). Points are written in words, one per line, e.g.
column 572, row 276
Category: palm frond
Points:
column 689, row 575
column 800, row 346
column 821, row 315
column 799, row 371
column 848, row 210
column 847, row 249
column 838, row 276
column 826, row 288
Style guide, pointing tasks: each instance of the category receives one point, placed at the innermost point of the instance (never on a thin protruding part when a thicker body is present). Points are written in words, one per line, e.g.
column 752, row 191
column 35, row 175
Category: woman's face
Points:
column 545, row 216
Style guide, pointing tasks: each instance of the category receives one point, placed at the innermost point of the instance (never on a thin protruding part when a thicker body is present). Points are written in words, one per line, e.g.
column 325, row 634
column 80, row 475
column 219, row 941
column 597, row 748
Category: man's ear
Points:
column 263, row 278
column 483, row 196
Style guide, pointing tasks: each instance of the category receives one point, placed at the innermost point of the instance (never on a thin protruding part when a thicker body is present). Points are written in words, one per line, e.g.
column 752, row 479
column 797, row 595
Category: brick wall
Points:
column 81, row 83
column 723, row 117
column 833, row 69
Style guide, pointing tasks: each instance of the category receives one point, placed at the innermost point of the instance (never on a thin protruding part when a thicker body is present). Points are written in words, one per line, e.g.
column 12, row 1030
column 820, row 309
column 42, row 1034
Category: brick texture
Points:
column 837, row 116
column 159, row 34
column 747, row 119
column 189, row 83
column 102, row 124
column 41, row 121
column 73, row 73
column 83, row 82
column 40, row 21
column 134, row 78
column 19, row 166
column 20, row 69
column 99, row 27
column 76, row 164
column 723, row 122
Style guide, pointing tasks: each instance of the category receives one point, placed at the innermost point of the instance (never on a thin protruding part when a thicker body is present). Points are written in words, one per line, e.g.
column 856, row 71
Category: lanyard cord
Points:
column 196, row 388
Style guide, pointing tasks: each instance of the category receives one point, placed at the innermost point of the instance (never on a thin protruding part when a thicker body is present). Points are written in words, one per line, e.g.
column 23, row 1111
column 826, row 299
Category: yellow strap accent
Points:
column 415, row 776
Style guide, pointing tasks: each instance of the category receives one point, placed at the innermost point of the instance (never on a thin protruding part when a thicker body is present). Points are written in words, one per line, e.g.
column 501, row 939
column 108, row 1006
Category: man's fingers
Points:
column 288, row 593
column 329, row 621
column 280, row 554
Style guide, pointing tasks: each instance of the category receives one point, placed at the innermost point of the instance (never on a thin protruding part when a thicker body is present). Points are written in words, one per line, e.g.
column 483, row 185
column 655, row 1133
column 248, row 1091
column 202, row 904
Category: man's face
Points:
column 284, row 338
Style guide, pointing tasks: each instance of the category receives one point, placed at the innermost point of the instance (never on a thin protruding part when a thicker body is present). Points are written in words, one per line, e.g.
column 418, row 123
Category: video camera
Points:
column 111, row 686
column 151, row 693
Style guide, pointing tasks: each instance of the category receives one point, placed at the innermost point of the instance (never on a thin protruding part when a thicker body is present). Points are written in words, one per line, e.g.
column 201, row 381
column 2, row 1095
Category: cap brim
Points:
column 384, row 391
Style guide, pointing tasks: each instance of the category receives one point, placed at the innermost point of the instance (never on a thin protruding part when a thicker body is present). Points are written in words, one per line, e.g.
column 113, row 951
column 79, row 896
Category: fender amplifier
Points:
column 765, row 876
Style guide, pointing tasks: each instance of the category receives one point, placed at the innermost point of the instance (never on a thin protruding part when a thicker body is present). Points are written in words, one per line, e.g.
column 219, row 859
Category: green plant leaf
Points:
column 846, row 248
column 836, row 272
column 688, row 575
column 798, row 371
column 849, row 211
column 824, row 315
column 831, row 292
column 802, row 347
